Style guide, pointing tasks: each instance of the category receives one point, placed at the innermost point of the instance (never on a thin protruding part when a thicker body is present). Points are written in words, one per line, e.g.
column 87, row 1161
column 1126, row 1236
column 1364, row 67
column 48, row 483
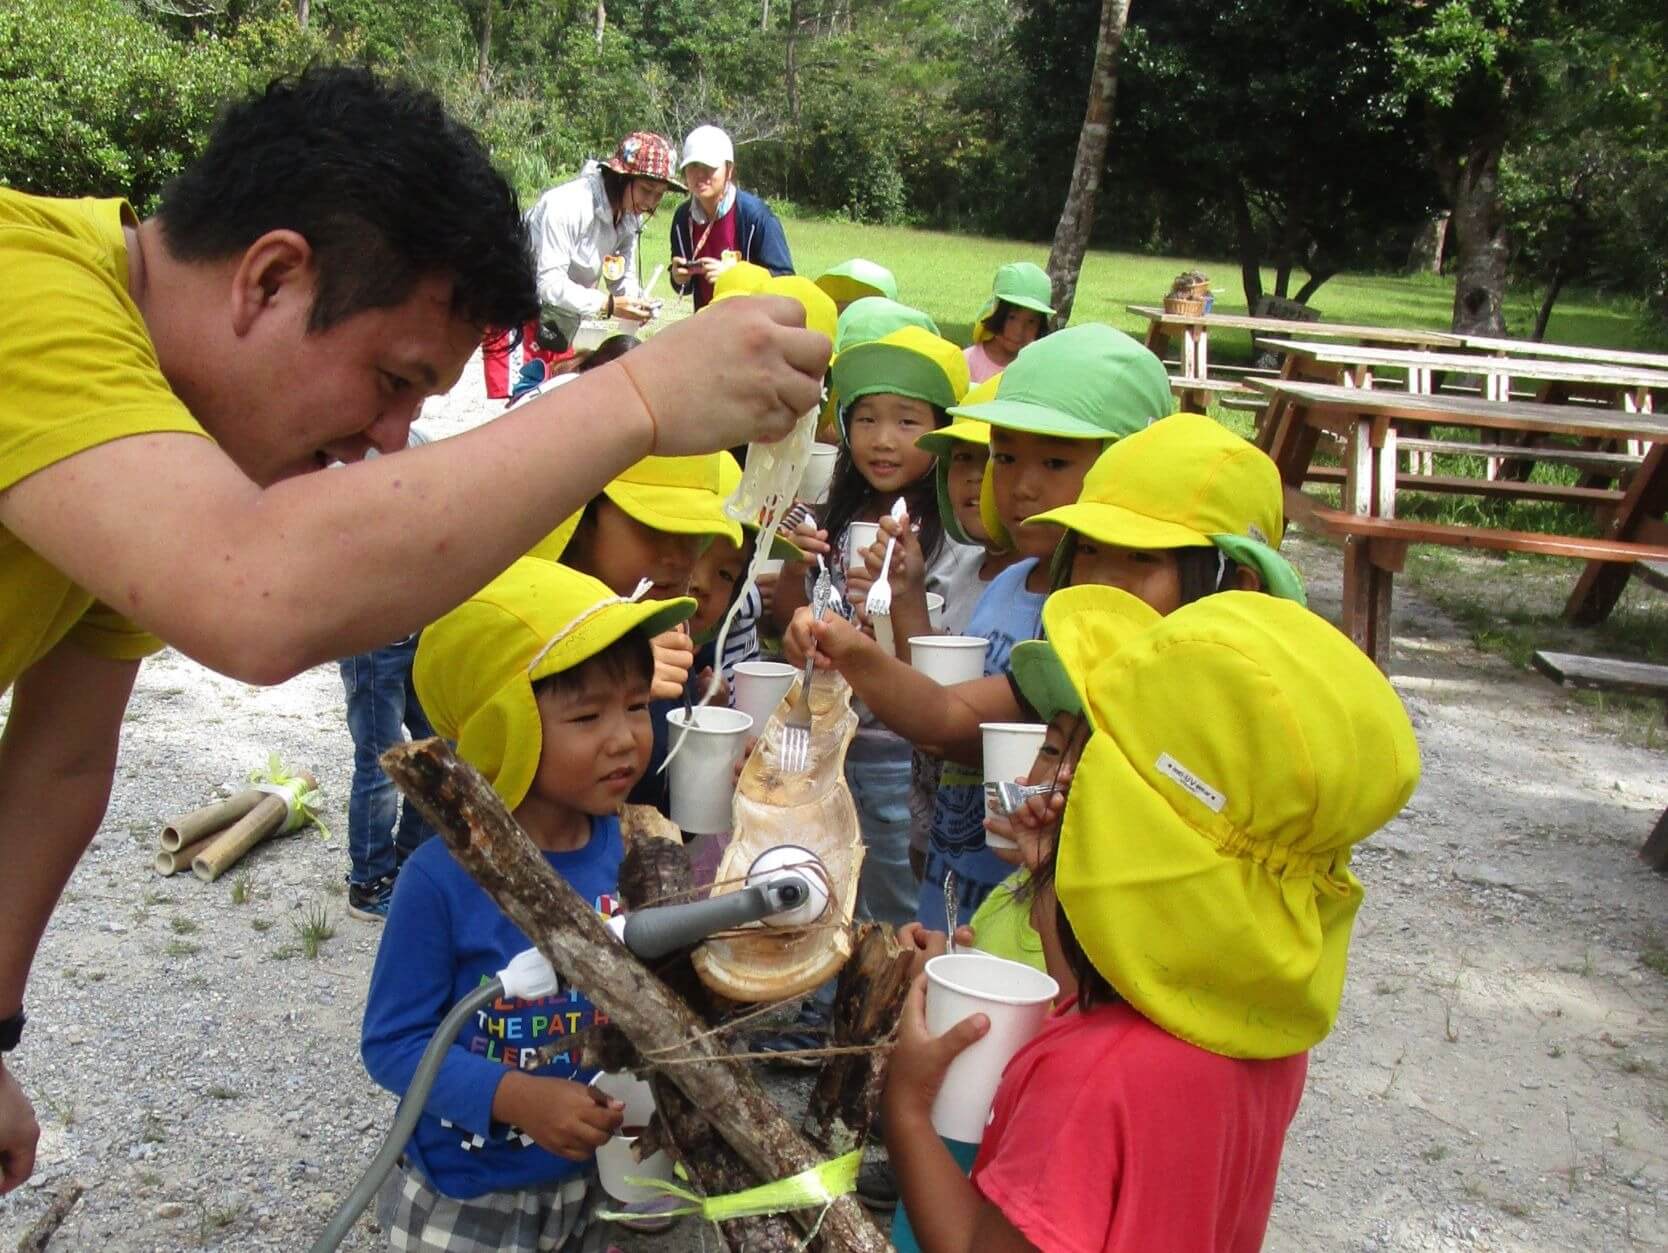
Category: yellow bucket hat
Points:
column 820, row 313
column 679, row 495
column 1080, row 625
column 1186, row 482
column 744, row 278
column 942, row 444
column 1238, row 749
column 475, row 668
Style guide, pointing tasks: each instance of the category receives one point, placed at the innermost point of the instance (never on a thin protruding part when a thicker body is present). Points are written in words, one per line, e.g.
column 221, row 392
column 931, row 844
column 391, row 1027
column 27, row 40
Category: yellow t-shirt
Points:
column 1002, row 925
column 77, row 369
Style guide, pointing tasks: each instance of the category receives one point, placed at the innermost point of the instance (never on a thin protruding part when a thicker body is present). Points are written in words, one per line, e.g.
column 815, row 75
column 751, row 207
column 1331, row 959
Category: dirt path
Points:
column 1496, row 1079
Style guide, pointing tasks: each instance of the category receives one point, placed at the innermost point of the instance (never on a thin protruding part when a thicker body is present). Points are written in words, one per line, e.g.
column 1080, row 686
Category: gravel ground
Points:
column 1496, row 1079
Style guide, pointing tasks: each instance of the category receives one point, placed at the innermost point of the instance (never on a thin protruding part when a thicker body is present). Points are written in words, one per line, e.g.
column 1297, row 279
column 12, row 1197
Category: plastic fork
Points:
column 794, row 746
column 880, row 591
column 1006, row 798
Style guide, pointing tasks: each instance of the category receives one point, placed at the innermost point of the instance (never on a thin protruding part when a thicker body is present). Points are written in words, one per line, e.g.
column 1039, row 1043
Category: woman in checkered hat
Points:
column 587, row 229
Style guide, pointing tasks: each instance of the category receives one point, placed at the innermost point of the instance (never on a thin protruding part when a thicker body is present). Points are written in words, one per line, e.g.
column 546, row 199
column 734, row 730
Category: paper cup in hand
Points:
column 860, row 537
column 948, row 659
column 882, row 623
column 617, row 1160
column 1015, row 998
column 702, row 772
column 759, row 687
column 1010, row 749
column 819, row 473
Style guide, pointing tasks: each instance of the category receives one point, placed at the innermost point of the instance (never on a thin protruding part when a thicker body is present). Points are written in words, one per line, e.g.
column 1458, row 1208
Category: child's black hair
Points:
column 629, row 658
column 849, row 490
column 998, row 318
column 1093, row 988
column 1201, row 571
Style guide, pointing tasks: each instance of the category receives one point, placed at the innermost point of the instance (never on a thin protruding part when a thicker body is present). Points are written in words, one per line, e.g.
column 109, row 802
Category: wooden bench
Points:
column 1194, row 394
column 1460, row 485
column 1605, row 674
column 1375, row 551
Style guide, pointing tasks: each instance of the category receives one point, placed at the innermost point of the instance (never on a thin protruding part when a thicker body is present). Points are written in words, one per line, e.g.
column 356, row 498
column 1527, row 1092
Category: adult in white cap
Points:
column 720, row 224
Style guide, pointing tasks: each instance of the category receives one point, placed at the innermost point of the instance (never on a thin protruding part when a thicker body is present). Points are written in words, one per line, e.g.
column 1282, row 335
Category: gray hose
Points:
column 405, row 1118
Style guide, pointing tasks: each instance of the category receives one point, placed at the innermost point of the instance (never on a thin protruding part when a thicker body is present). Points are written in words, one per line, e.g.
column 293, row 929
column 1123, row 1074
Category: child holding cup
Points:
column 1063, row 400
column 542, row 678
column 1238, row 748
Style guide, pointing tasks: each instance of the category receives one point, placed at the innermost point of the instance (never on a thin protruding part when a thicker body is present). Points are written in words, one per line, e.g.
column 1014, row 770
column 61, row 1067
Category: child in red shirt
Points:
column 1196, row 911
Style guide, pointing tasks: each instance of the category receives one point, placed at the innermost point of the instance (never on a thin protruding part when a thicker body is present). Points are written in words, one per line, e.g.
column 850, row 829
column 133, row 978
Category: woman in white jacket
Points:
column 587, row 229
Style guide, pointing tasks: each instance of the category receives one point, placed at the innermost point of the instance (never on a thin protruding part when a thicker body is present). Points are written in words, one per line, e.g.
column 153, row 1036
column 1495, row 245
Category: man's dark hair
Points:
column 628, row 659
column 384, row 185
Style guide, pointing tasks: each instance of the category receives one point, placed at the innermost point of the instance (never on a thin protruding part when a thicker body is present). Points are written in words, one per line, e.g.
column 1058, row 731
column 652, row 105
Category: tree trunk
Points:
column 1317, row 276
column 303, row 10
column 793, row 67
column 601, row 22
column 483, row 48
column 1559, row 273
column 764, row 16
column 1425, row 257
column 1071, row 236
column 867, row 1002
column 1478, row 229
column 1245, row 241
column 496, row 852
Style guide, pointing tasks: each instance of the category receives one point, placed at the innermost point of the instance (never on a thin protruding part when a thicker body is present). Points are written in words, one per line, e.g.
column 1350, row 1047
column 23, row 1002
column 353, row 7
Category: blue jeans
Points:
column 380, row 703
column 887, row 891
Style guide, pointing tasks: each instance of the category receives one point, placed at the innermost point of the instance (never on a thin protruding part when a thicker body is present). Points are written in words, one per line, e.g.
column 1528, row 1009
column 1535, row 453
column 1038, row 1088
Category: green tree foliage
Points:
column 98, row 98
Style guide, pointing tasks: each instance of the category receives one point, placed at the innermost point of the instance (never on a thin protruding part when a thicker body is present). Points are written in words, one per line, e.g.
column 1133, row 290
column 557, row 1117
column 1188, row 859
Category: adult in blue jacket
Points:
column 720, row 224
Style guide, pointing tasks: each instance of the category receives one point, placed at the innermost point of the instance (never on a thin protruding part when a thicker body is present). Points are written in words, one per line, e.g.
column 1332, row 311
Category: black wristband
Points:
column 11, row 1031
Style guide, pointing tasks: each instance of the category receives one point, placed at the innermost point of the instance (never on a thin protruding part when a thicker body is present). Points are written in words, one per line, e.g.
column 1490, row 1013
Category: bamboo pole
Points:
column 489, row 844
column 199, row 824
column 260, row 822
column 171, row 862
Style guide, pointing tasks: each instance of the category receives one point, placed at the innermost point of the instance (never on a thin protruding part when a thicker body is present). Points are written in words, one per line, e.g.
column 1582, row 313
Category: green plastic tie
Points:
column 303, row 802
column 822, row 1185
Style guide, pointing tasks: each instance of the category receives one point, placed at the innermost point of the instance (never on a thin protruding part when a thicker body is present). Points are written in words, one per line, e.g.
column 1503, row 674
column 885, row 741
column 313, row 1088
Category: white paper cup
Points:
column 634, row 1093
column 819, row 473
column 1015, row 998
column 760, row 687
column 1010, row 750
column 860, row 537
column 883, row 623
column 949, row 658
column 702, row 772
column 617, row 1162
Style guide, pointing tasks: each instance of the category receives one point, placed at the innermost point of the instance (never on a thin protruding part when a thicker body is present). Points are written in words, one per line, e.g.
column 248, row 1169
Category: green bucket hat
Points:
column 852, row 280
column 1021, row 284
column 1085, row 382
column 864, row 321
column 943, row 443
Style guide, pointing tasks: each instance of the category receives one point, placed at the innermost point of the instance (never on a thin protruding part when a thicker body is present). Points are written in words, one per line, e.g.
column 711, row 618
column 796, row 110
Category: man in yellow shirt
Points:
column 168, row 386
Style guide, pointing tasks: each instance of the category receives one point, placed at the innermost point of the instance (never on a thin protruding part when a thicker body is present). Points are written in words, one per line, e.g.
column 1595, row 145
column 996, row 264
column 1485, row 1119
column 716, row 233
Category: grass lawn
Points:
column 949, row 277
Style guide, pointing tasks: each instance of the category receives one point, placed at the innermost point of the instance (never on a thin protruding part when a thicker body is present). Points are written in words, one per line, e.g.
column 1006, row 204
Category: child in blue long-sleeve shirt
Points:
column 543, row 680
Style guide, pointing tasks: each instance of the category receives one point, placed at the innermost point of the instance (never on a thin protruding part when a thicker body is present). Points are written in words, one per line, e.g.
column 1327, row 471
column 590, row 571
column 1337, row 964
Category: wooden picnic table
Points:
column 1573, row 352
column 1376, row 540
column 1628, row 385
column 1194, row 330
